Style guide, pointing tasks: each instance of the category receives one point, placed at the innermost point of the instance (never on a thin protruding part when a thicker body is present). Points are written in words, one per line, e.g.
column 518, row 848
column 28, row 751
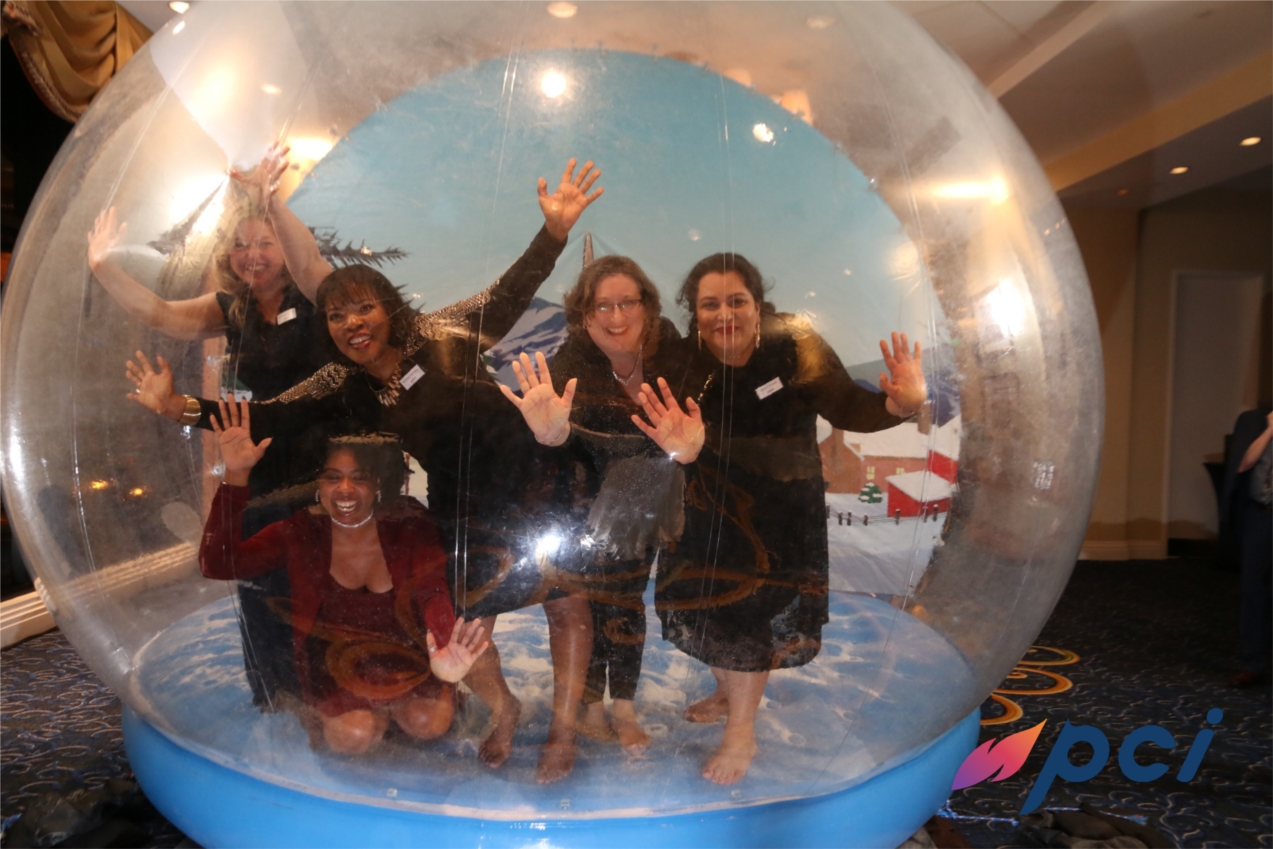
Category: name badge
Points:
column 767, row 389
column 412, row 377
column 285, row 316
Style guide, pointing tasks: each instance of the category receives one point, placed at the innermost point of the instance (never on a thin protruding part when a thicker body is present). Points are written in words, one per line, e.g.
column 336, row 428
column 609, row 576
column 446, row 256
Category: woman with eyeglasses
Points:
column 617, row 340
column 420, row 375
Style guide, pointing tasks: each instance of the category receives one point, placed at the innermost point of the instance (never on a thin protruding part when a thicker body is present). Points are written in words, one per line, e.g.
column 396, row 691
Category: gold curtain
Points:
column 69, row 50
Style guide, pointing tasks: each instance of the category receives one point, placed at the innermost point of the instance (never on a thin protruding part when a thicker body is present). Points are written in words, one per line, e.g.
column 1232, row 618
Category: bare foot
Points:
column 730, row 762
column 592, row 723
column 557, row 758
column 498, row 745
column 632, row 736
column 711, row 709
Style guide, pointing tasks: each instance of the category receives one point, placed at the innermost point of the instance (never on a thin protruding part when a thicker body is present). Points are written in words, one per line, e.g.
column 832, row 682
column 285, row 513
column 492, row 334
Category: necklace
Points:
column 624, row 380
column 388, row 394
column 370, row 516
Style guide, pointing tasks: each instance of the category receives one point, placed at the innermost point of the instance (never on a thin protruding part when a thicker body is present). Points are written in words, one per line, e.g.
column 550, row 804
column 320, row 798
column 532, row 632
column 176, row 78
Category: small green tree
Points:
column 871, row 494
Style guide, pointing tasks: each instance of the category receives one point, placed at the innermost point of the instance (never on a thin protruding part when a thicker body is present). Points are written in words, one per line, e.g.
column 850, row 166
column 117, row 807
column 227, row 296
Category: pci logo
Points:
column 1004, row 758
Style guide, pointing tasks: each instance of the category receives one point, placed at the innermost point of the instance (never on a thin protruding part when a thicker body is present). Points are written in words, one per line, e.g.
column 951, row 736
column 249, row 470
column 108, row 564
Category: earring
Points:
column 757, row 334
column 377, row 497
column 317, row 499
column 700, row 340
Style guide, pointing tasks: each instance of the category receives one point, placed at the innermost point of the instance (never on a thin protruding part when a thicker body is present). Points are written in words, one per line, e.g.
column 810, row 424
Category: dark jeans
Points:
column 1254, row 623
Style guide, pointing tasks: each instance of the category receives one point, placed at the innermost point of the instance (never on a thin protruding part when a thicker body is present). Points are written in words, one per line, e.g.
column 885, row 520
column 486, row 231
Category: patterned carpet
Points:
column 1154, row 642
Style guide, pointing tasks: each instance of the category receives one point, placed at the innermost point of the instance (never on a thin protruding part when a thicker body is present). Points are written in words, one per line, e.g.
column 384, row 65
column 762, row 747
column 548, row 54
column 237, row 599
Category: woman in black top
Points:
column 420, row 375
column 632, row 496
column 746, row 589
column 267, row 268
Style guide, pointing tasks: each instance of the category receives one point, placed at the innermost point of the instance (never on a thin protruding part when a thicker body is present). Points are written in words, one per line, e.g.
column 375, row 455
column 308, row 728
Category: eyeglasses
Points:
column 622, row 307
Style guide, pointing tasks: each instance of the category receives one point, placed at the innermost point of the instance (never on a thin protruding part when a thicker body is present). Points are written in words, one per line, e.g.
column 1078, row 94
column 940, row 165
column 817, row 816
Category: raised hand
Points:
column 104, row 236
column 261, row 182
column 154, row 388
column 234, row 432
column 563, row 207
column 678, row 432
column 547, row 414
column 904, row 384
column 454, row 661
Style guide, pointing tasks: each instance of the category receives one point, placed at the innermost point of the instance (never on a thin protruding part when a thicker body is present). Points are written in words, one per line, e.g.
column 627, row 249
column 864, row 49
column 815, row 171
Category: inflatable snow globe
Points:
column 767, row 615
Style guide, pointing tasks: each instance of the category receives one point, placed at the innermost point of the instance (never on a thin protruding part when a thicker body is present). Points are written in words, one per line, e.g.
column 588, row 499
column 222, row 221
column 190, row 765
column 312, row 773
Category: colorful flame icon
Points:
column 1005, row 757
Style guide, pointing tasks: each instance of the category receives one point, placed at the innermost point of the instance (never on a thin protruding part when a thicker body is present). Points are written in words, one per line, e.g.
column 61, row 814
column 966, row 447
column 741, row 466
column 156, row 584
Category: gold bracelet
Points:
column 192, row 413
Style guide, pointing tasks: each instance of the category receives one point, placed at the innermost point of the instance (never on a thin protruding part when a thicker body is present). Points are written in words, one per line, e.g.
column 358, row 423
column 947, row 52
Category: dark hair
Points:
column 582, row 298
column 353, row 282
column 722, row 263
column 380, row 454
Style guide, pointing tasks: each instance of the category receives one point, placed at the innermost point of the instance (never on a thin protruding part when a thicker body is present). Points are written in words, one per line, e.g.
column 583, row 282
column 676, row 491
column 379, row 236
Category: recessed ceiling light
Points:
column 1251, row 140
column 553, row 84
column 819, row 22
column 562, row 9
column 179, row 6
column 1123, row 192
column 1180, row 169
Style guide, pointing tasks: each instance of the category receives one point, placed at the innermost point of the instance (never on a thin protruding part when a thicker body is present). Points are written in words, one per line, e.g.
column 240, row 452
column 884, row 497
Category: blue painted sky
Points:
column 447, row 172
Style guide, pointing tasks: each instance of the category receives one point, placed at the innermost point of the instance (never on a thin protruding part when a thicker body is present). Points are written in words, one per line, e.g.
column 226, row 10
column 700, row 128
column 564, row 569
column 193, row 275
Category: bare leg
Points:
column 354, row 731
column 711, row 708
column 570, row 642
column 592, row 723
column 632, row 736
column 730, row 762
column 424, row 719
column 486, row 680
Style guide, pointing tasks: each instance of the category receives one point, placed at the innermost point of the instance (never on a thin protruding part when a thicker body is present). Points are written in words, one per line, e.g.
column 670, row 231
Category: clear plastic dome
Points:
column 859, row 166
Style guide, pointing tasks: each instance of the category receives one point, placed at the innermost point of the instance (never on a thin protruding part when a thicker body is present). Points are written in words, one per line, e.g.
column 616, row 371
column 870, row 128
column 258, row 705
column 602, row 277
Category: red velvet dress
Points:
column 353, row 648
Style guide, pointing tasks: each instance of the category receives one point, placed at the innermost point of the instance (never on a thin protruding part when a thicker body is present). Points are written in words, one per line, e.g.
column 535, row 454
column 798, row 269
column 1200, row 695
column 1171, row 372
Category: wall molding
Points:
column 1147, row 549
column 22, row 617
column 1114, row 549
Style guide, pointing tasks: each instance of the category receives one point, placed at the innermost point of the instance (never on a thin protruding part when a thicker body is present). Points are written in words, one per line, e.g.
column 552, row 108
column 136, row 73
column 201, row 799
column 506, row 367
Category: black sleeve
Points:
column 490, row 314
column 315, row 399
column 835, row 395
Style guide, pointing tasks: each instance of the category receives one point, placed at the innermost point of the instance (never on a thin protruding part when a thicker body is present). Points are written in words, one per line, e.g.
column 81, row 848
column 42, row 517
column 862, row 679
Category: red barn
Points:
column 915, row 493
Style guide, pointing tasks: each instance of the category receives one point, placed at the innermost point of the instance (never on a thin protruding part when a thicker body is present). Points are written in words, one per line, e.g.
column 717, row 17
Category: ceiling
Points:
column 1111, row 95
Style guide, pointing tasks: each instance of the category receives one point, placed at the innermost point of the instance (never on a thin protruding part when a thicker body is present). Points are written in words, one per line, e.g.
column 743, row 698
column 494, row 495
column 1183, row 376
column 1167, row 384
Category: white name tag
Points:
column 767, row 389
column 410, row 378
column 285, row 316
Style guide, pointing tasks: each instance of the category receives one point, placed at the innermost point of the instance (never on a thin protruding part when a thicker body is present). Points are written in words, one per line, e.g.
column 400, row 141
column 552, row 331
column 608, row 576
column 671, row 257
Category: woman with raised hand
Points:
column 746, row 589
column 420, row 375
column 374, row 633
column 630, row 506
column 267, row 269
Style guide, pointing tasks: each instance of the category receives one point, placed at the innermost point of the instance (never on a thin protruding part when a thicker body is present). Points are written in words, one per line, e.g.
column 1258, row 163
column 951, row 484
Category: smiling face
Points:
column 617, row 320
column 346, row 490
column 728, row 316
column 359, row 325
column 255, row 255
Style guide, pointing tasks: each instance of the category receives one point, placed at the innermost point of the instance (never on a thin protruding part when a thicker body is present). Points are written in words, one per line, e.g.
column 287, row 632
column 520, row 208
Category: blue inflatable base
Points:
column 220, row 807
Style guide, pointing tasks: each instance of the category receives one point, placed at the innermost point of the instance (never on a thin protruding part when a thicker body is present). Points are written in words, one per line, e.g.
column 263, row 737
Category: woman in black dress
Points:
column 633, row 491
column 420, row 375
column 267, row 269
column 746, row 589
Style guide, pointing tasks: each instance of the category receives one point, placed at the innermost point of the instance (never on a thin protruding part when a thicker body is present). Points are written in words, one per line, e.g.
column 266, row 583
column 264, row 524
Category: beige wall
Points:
column 1108, row 241
column 1131, row 258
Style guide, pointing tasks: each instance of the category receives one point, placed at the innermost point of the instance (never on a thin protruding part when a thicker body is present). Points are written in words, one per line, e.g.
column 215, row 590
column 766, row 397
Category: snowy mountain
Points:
column 541, row 328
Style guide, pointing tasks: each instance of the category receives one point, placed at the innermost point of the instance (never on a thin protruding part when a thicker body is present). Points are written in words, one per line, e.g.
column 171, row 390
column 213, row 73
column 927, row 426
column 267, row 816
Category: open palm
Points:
column 563, row 207
column 546, row 413
column 904, row 384
column 455, row 659
column 678, row 432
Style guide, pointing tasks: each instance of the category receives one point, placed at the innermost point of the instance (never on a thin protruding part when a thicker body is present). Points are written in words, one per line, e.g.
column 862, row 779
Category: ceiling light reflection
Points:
column 1180, row 169
column 1250, row 141
column 310, row 147
column 763, row 133
column 562, row 9
column 553, row 84
column 179, row 6
column 995, row 191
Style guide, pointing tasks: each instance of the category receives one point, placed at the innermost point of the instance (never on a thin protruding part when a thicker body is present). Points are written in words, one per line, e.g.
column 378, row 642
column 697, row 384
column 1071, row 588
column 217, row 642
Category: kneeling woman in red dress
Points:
column 375, row 633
